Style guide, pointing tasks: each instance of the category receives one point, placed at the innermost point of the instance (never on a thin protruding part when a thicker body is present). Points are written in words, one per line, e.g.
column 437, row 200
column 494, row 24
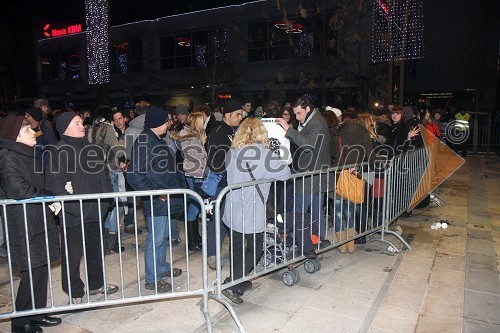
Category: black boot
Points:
column 112, row 243
column 192, row 228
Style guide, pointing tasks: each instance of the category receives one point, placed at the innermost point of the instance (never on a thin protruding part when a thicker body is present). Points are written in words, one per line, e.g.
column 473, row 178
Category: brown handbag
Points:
column 350, row 187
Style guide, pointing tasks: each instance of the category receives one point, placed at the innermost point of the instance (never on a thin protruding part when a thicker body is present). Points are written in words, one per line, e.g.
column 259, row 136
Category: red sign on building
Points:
column 48, row 31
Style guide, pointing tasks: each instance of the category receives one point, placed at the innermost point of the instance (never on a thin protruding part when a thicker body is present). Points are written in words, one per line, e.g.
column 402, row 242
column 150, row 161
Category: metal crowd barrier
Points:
column 388, row 191
column 404, row 175
column 124, row 269
column 284, row 242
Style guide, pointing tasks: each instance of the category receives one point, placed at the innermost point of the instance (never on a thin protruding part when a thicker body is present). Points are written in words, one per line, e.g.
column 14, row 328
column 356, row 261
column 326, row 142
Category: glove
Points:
column 68, row 187
column 55, row 207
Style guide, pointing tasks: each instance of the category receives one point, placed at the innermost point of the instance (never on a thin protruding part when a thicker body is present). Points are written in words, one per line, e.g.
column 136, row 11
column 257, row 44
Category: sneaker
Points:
column 212, row 263
column 233, row 296
column 175, row 272
column 176, row 242
column 76, row 300
column 109, row 289
column 163, row 286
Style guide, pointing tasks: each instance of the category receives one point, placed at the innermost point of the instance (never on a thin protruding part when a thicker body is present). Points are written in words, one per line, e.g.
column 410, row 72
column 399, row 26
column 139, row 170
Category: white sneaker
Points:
column 76, row 300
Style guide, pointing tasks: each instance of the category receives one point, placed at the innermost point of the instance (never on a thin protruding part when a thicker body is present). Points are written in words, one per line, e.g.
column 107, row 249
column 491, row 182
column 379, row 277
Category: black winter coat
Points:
column 218, row 143
column 18, row 181
column 84, row 165
column 153, row 167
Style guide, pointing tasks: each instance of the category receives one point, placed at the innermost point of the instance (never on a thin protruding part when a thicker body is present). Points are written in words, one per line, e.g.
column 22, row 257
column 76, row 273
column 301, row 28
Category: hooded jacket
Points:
column 18, row 180
column 135, row 127
column 103, row 134
column 194, row 156
column 244, row 209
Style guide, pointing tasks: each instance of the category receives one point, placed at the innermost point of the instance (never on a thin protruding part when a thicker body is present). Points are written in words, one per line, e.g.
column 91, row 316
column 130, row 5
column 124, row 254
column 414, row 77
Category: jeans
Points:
column 193, row 206
column 315, row 203
column 161, row 225
column 118, row 182
column 211, row 231
column 348, row 210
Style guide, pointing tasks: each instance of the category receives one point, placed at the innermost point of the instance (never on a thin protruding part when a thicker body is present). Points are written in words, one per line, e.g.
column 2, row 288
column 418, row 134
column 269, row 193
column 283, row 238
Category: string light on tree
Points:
column 97, row 19
column 398, row 30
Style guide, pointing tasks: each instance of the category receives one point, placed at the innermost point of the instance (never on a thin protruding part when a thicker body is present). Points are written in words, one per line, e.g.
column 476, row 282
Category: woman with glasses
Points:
column 289, row 116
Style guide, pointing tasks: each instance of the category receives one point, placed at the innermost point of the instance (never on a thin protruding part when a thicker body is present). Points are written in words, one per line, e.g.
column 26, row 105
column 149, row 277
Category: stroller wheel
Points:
column 310, row 266
column 290, row 277
column 317, row 263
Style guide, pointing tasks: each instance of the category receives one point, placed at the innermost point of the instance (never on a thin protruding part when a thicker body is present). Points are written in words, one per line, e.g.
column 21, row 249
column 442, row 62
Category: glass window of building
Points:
column 63, row 65
column 293, row 38
column 125, row 57
column 193, row 49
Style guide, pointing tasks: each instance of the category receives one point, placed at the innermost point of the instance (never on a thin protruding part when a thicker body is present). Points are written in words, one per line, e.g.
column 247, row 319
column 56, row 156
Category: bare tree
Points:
column 335, row 33
column 214, row 65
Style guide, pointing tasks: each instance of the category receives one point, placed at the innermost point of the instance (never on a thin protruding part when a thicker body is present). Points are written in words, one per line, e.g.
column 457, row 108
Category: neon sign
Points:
column 57, row 32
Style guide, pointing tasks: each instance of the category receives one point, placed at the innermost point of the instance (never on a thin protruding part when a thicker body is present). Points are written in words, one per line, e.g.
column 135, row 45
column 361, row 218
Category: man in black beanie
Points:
column 153, row 167
column 75, row 167
column 218, row 144
column 45, row 136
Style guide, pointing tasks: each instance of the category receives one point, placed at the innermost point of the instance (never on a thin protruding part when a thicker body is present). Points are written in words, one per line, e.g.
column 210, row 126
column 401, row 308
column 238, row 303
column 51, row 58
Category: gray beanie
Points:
column 181, row 109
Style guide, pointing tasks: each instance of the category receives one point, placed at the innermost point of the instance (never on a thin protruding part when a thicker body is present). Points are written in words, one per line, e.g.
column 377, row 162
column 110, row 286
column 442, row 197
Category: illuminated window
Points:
column 60, row 66
column 296, row 38
column 125, row 57
column 193, row 49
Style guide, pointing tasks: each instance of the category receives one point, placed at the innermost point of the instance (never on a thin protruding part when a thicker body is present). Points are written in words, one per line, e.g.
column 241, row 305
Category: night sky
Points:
column 121, row 11
column 21, row 24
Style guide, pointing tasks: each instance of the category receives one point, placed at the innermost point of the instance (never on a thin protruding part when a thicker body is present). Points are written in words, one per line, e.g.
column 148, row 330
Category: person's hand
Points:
column 282, row 122
column 414, row 131
column 55, row 207
column 124, row 166
column 68, row 187
column 163, row 197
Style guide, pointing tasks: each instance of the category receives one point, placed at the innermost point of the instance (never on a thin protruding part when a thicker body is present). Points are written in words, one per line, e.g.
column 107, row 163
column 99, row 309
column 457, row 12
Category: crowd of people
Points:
column 153, row 148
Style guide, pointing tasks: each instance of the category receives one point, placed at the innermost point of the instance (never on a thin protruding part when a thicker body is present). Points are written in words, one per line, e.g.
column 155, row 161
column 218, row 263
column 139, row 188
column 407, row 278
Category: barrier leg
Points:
column 439, row 199
column 231, row 311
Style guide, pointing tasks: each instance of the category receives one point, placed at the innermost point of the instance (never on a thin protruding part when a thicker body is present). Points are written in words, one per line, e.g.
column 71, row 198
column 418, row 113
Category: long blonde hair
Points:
column 251, row 131
column 195, row 124
column 369, row 124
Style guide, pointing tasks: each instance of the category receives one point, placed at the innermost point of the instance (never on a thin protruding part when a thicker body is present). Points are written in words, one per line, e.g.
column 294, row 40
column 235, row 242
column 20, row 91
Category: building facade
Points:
column 255, row 52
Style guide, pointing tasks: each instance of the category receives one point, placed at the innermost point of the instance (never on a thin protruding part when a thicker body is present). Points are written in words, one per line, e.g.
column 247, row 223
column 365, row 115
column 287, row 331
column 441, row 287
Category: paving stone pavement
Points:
column 448, row 282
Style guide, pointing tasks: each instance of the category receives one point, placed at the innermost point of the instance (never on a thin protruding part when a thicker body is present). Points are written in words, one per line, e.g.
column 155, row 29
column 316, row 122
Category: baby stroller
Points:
column 284, row 242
